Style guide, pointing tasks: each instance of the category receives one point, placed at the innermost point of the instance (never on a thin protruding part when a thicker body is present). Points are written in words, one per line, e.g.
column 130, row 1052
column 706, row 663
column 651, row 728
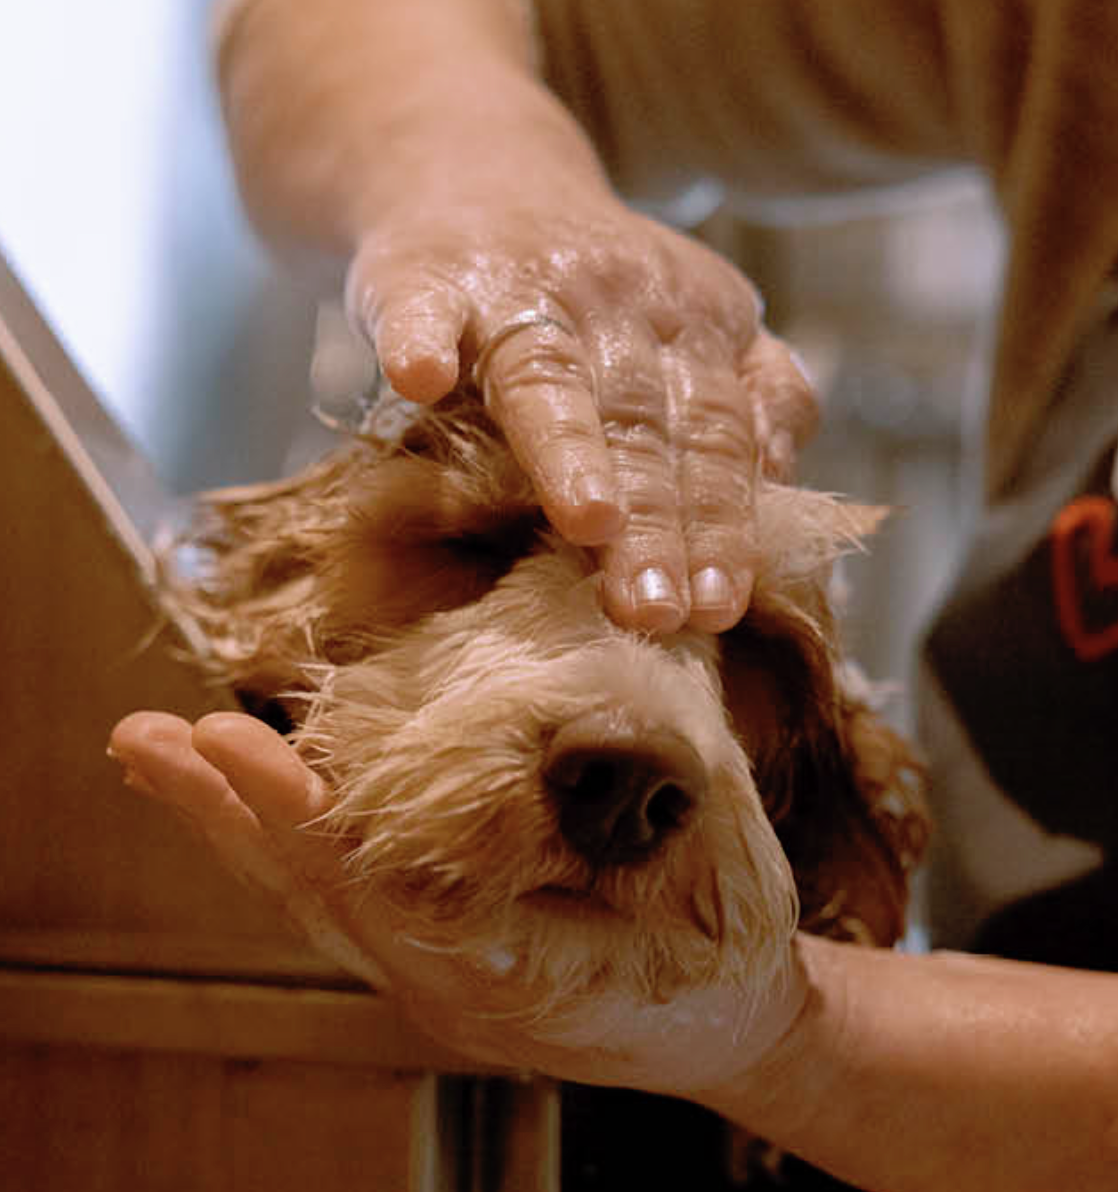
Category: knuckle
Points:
column 540, row 363
column 717, row 493
column 722, row 538
column 653, row 508
column 551, row 454
column 560, row 441
column 713, row 511
column 649, row 484
column 657, row 546
column 640, row 441
column 653, row 522
column 719, row 437
column 719, row 425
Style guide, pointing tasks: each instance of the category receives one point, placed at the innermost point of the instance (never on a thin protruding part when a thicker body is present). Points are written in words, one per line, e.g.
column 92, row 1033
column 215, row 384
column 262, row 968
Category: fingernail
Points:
column 711, row 589
column 600, row 513
column 592, row 489
column 653, row 587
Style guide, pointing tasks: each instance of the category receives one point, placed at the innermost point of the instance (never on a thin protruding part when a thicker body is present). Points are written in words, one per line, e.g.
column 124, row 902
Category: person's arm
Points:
column 925, row 1073
column 340, row 111
column 899, row 1073
column 625, row 362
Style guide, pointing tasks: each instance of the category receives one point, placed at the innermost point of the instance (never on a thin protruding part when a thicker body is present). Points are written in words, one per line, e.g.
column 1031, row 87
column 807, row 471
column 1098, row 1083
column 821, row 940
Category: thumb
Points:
column 414, row 321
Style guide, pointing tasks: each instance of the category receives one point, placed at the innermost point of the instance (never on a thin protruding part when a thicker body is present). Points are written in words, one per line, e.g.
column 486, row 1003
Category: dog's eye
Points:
column 496, row 547
column 387, row 572
column 473, row 560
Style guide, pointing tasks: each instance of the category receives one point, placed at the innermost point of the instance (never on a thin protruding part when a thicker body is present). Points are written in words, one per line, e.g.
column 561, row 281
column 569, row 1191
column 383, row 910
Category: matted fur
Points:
column 427, row 635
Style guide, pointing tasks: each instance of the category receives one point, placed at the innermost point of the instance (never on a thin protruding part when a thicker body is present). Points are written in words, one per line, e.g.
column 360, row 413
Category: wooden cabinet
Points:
column 160, row 1027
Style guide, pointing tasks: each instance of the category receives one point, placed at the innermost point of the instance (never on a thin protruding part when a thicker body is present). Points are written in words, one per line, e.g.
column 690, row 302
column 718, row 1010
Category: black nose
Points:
column 621, row 792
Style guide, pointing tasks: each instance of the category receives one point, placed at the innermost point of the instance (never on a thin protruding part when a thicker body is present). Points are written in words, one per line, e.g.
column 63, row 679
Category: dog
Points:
column 547, row 793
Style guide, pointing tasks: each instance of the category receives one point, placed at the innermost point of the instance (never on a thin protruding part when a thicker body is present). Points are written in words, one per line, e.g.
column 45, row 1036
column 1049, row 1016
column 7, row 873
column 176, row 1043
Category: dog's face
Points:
column 539, row 790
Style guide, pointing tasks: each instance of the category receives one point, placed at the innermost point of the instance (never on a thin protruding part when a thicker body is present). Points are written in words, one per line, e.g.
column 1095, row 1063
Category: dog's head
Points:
column 538, row 789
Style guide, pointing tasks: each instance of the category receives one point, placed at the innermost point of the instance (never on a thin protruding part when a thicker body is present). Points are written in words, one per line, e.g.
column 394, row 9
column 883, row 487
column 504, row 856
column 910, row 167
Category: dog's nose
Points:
column 621, row 790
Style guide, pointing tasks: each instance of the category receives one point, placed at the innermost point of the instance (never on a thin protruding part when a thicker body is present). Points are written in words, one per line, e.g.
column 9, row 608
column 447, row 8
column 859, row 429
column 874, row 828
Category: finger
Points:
column 645, row 568
column 415, row 324
column 159, row 761
column 728, row 426
column 344, row 921
column 718, row 453
column 283, row 795
column 262, row 767
column 348, row 922
column 274, row 783
column 539, row 386
column 786, row 407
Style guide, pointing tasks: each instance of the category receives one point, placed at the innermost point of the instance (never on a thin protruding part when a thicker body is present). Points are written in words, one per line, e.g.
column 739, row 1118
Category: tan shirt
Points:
column 794, row 97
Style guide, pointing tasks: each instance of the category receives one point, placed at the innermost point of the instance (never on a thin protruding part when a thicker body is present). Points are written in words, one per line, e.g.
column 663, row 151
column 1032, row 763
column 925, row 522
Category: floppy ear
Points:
column 323, row 567
column 842, row 788
column 853, row 823
column 858, row 888
column 252, row 575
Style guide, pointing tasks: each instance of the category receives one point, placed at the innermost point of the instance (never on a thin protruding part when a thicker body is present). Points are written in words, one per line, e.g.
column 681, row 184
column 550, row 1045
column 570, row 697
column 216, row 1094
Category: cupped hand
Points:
column 626, row 364
column 255, row 803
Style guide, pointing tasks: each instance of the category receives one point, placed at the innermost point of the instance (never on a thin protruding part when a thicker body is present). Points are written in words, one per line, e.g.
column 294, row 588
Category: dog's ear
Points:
column 848, row 808
column 843, row 790
column 322, row 567
column 419, row 535
column 860, row 889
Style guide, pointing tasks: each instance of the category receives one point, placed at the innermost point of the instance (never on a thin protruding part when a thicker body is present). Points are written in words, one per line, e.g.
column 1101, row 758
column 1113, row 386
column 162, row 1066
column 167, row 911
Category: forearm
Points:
column 341, row 110
column 919, row 1074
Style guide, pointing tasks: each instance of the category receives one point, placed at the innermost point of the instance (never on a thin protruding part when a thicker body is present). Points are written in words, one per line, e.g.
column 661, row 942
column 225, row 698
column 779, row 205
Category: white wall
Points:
column 118, row 210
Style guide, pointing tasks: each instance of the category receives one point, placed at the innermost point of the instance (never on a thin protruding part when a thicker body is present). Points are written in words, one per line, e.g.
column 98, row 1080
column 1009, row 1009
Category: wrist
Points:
column 466, row 144
column 775, row 1092
column 342, row 113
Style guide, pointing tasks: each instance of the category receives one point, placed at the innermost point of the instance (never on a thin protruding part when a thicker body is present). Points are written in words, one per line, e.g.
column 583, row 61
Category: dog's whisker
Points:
column 706, row 909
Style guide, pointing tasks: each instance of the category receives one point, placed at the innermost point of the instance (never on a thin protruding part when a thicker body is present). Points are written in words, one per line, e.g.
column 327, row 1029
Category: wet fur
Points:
column 424, row 634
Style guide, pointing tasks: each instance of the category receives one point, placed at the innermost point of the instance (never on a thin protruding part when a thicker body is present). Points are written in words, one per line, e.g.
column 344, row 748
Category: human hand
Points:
column 251, row 797
column 626, row 364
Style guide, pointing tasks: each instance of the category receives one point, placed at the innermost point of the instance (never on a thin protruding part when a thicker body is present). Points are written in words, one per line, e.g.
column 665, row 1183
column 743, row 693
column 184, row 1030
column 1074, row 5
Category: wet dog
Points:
column 544, row 791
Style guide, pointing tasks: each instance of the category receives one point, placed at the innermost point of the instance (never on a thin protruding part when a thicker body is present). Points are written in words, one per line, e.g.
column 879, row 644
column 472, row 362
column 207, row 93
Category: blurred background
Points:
column 118, row 211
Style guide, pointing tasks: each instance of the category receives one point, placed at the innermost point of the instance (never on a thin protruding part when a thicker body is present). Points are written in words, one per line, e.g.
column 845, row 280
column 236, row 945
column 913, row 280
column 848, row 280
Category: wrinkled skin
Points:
column 642, row 410
column 248, row 793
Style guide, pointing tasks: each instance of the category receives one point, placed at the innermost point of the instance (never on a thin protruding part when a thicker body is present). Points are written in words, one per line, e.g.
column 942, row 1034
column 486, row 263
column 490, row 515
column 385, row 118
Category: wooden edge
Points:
column 179, row 954
column 40, row 365
column 220, row 1018
column 124, row 489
